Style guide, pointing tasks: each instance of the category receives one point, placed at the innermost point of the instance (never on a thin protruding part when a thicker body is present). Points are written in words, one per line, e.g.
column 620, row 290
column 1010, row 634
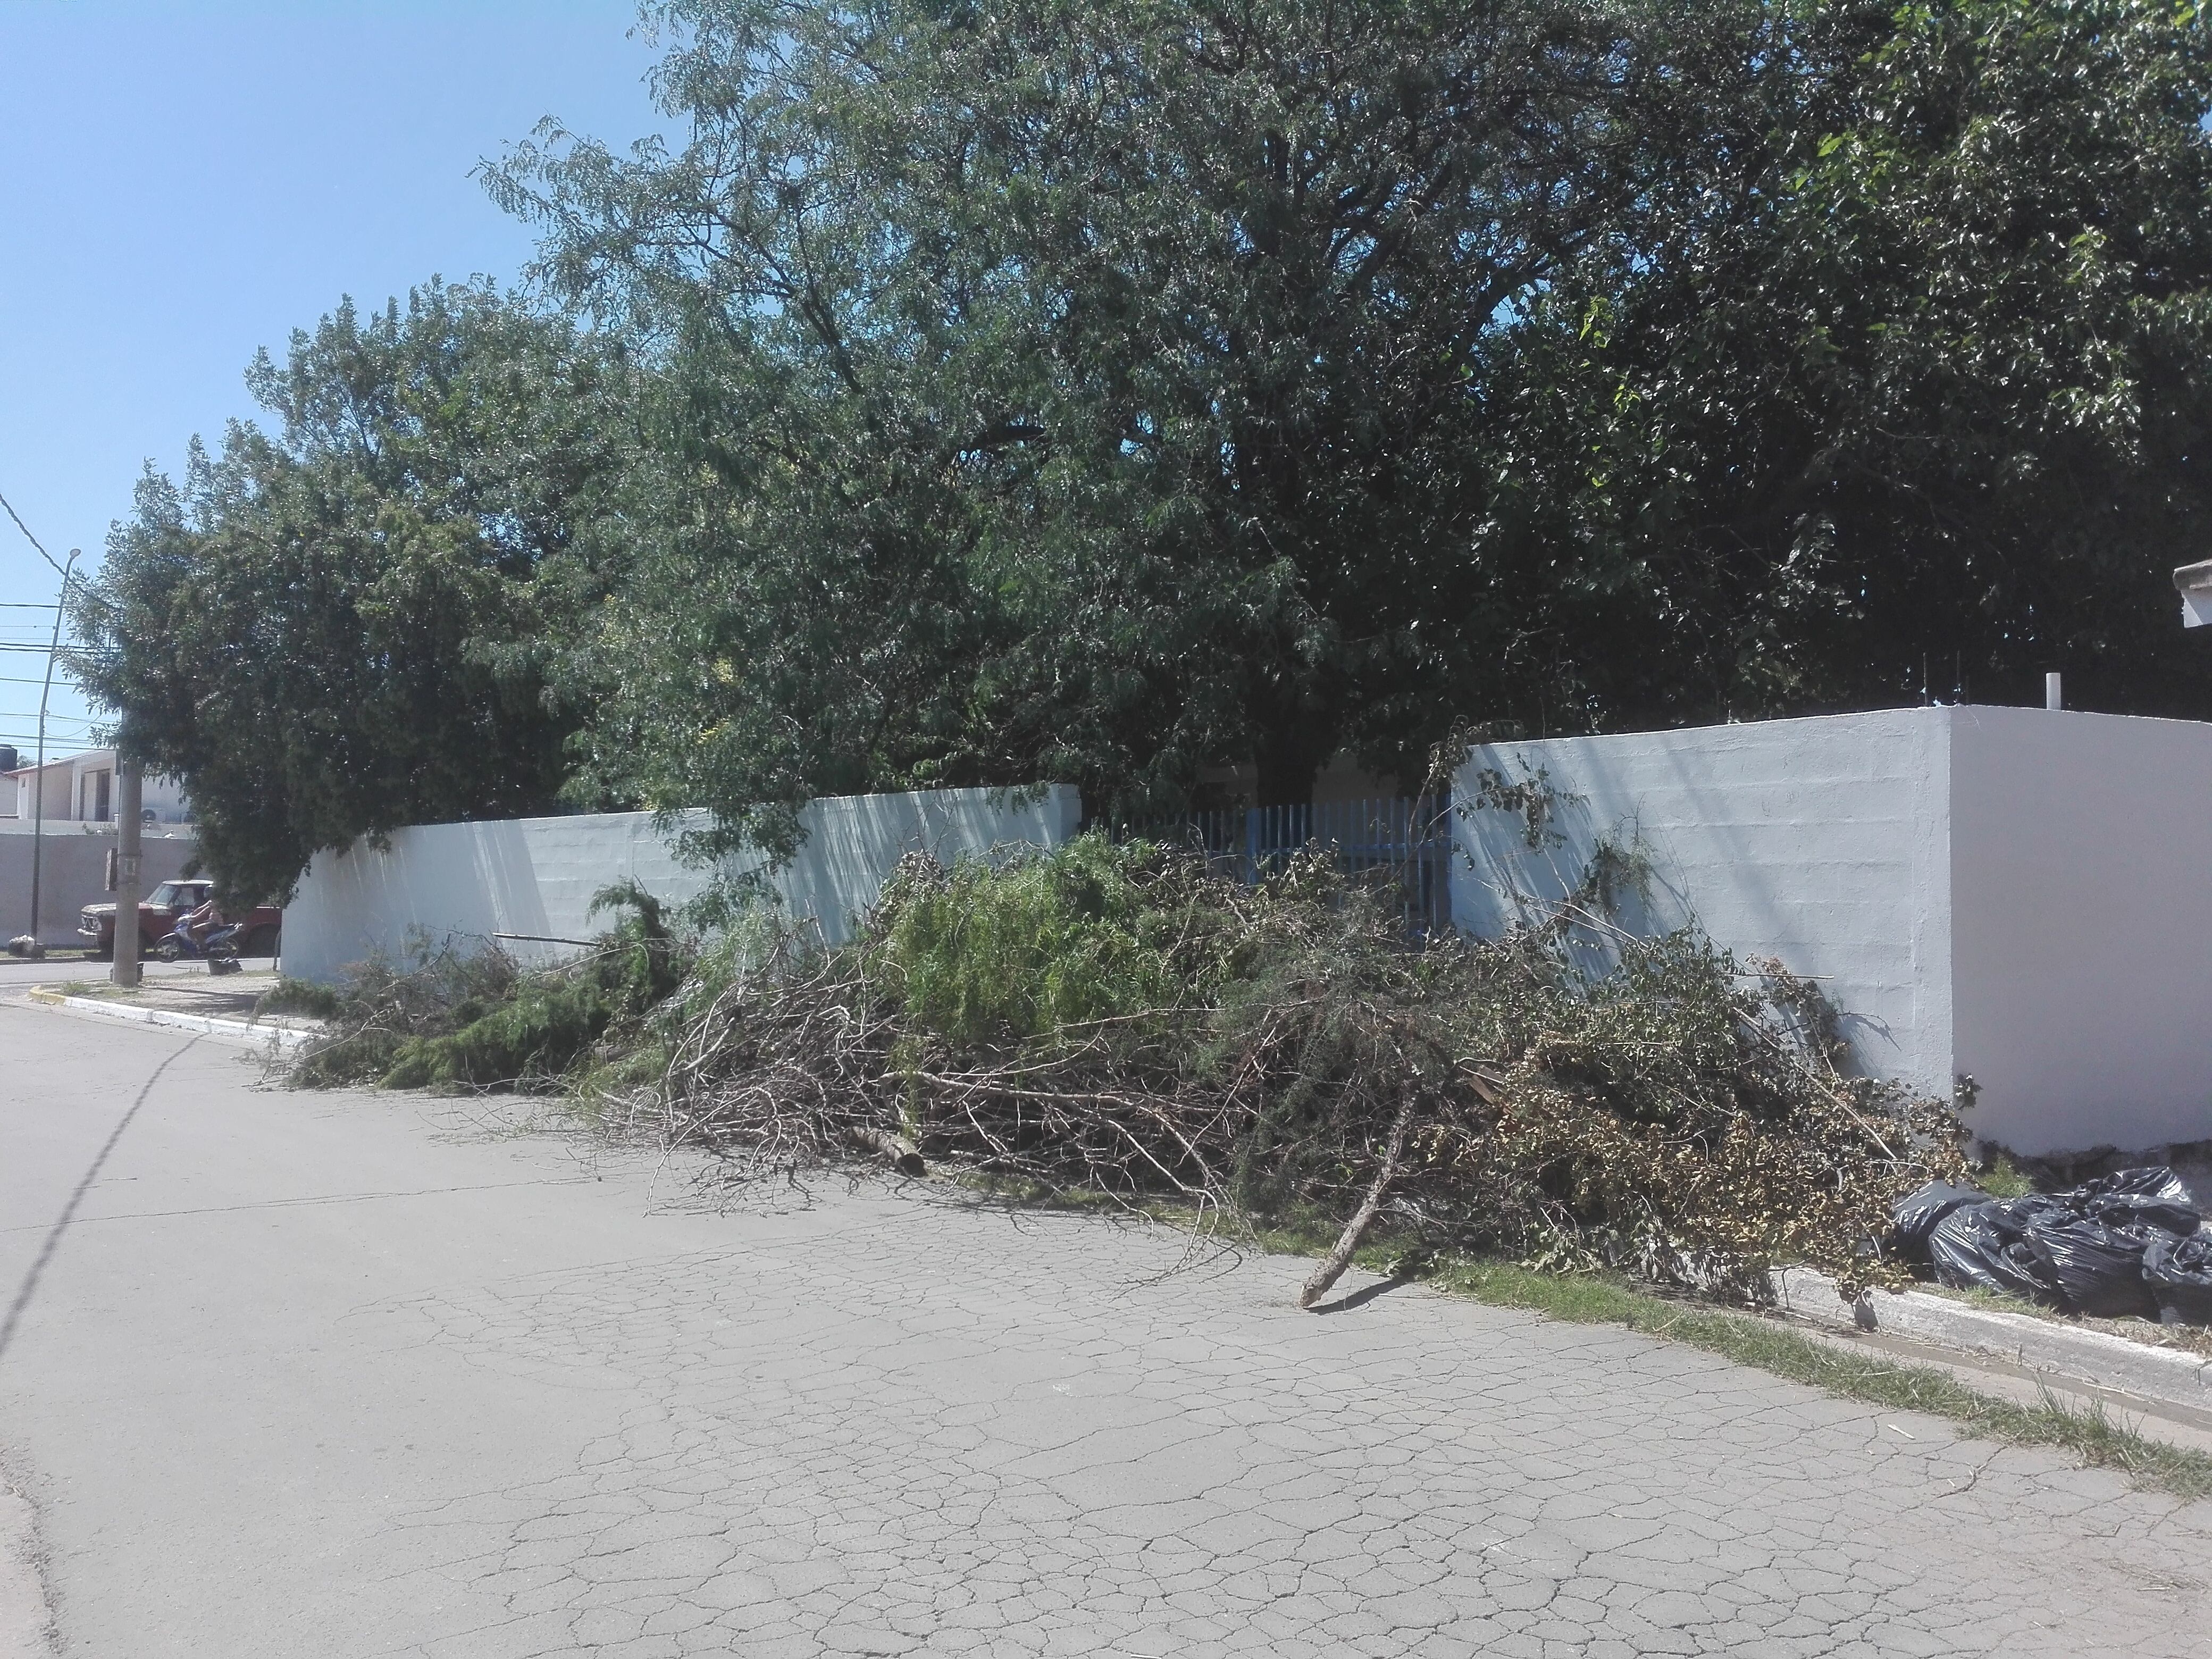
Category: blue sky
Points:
column 181, row 183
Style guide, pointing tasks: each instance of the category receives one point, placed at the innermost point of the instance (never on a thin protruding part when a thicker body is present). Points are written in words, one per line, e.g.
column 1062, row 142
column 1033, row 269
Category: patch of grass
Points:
column 90, row 987
column 2004, row 1179
column 2092, row 1434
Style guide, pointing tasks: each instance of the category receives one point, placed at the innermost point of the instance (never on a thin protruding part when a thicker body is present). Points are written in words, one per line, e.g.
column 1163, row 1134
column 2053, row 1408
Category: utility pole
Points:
column 130, row 778
column 39, row 772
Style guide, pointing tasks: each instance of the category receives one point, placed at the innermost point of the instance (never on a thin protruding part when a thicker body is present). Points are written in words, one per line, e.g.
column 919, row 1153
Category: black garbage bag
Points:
column 1984, row 1247
column 2152, row 1199
column 1916, row 1215
column 2099, row 1269
column 2143, row 1218
column 2178, row 1274
column 2017, row 1215
column 2151, row 1181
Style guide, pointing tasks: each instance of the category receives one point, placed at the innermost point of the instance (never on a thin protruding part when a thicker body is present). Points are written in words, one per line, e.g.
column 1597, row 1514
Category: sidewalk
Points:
column 221, row 1008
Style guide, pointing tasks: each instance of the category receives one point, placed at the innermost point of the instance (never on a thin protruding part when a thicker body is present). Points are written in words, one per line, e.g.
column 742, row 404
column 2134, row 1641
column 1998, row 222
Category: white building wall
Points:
column 69, row 801
column 72, row 874
column 1822, row 842
column 2018, row 894
column 538, row 876
column 2081, row 884
column 56, row 782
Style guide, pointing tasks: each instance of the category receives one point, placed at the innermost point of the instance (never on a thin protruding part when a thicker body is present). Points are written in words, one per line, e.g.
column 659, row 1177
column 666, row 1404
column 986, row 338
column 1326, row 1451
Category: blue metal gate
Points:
column 1405, row 842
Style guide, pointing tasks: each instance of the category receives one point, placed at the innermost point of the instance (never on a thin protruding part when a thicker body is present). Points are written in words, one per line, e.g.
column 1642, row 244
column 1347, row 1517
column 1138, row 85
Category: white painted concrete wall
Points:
column 470, row 881
column 1823, row 842
column 2082, row 926
column 72, row 874
column 2020, row 895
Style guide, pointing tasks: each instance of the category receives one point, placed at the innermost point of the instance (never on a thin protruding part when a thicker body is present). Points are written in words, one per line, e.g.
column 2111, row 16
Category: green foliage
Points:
column 981, row 953
column 298, row 996
column 473, row 1020
column 339, row 630
column 1910, row 398
column 1105, row 391
column 1084, row 389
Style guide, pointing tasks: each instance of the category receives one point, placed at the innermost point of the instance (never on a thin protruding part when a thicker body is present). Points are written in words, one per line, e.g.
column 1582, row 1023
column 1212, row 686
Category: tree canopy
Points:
column 1109, row 391
column 338, row 630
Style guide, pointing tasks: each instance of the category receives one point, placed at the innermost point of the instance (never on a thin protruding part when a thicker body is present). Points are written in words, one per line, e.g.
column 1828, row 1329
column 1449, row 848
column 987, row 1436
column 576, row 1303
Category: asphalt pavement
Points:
column 290, row 1374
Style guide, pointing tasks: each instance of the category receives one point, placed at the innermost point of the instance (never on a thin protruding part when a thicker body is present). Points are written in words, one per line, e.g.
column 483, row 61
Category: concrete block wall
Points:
column 2082, row 926
column 72, row 874
column 2016, row 895
column 538, row 876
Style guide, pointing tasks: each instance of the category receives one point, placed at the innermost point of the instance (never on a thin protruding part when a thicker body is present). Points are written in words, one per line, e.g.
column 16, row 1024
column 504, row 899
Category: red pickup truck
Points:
column 157, row 917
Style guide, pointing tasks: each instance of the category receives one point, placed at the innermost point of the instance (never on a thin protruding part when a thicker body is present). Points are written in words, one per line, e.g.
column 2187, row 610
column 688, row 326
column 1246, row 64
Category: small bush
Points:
column 980, row 953
column 473, row 1019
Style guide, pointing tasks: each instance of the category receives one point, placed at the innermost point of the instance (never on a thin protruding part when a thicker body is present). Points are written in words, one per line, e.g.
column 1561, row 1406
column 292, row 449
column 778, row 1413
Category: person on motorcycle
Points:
column 199, row 928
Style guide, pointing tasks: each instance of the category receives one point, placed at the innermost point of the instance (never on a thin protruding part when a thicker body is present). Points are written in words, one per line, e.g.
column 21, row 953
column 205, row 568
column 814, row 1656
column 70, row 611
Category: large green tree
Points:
column 1916, row 402
column 340, row 630
column 1083, row 387
column 1108, row 390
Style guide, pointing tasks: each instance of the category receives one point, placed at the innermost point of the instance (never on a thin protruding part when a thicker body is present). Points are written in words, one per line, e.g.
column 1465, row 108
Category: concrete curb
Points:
column 2091, row 1357
column 226, row 1030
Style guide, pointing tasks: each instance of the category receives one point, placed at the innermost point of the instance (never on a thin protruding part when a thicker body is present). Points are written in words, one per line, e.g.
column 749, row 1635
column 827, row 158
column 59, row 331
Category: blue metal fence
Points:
column 1405, row 843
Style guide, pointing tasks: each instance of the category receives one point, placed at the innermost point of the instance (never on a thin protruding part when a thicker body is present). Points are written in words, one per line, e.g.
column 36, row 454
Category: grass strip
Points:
column 2090, row 1433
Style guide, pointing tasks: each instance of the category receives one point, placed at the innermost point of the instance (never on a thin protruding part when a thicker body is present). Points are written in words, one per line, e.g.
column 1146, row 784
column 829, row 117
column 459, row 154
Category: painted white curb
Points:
column 226, row 1030
column 2097, row 1357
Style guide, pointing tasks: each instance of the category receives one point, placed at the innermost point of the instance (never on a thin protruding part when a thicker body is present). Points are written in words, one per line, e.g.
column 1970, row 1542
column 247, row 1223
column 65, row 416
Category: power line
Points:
column 34, row 540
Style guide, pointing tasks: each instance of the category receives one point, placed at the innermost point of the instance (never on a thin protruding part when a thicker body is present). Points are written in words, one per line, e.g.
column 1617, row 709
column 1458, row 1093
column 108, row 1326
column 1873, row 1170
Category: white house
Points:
column 81, row 789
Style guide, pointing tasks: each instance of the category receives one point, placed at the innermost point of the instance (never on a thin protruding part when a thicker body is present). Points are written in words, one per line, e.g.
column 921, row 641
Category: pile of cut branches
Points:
column 444, row 1016
column 1118, row 1020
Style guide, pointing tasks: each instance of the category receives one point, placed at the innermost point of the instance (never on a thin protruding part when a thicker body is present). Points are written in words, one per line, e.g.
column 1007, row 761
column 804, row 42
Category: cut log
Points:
column 903, row 1155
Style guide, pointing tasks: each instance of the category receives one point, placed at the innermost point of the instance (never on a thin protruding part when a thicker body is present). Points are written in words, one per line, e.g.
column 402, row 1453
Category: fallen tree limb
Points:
column 1333, row 1264
column 905, row 1157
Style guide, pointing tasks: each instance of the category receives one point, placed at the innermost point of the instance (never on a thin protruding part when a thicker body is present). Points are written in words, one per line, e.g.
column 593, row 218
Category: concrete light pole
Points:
column 130, row 778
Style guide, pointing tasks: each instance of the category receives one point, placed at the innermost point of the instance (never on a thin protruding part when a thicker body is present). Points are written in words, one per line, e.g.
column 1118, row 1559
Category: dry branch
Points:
column 1333, row 1264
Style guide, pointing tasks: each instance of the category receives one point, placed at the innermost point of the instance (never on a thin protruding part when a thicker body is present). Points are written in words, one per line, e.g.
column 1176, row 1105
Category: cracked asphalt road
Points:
column 342, row 1375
